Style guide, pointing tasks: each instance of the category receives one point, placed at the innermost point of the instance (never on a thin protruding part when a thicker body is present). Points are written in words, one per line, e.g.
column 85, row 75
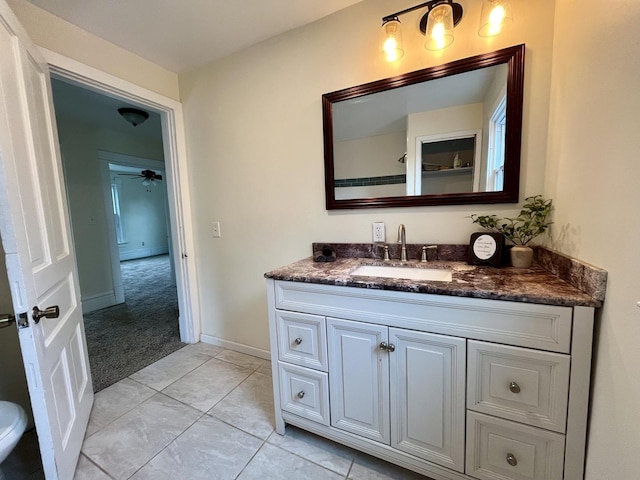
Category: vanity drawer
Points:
column 302, row 339
column 304, row 392
column 503, row 450
column 520, row 384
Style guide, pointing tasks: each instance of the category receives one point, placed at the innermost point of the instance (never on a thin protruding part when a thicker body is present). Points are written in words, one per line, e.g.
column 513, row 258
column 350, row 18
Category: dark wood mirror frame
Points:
column 513, row 57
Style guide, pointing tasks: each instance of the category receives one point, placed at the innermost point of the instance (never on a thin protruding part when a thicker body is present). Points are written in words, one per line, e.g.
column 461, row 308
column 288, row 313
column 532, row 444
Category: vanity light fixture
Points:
column 495, row 16
column 133, row 115
column 437, row 24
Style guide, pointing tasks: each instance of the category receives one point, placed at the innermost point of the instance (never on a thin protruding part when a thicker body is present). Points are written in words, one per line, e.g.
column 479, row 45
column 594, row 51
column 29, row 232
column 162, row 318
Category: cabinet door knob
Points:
column 298, row 341
column 514, row 387
column 383, row 346
column 301, row 394
column 391, row 347
column 512, row 460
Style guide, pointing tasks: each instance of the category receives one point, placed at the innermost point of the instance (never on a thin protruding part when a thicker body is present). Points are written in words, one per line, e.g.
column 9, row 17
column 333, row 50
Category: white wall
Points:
column 144, row 218
column 79, row 144
column 594, row 179
column 254, row 139
column 53, row 33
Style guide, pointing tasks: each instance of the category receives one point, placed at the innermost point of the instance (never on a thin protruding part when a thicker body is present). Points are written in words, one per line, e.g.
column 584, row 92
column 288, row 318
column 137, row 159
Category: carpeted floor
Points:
column 125, row 338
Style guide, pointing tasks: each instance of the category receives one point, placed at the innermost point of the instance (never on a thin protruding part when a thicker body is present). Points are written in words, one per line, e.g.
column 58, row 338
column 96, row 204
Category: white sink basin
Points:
column 408, row 273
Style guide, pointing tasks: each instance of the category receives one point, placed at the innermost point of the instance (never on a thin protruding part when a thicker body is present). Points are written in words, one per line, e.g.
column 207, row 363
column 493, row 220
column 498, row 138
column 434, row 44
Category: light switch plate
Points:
column 216, row 229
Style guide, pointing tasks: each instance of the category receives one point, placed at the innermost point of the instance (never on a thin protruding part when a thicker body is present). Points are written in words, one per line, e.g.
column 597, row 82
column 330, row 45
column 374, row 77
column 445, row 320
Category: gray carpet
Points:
column 125, row 338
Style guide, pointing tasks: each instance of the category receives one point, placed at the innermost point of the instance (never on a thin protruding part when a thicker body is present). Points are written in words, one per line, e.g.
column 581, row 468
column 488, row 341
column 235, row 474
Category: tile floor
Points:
column 205, row 412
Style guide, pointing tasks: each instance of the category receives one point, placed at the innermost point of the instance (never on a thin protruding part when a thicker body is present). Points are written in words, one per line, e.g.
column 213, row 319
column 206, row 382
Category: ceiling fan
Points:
column 149, row 177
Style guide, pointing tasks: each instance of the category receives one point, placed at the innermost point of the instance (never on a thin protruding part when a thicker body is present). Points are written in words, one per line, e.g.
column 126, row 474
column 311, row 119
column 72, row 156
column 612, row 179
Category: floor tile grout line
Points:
column 252, row 457
column 315, row 463
column 300, row 456
column 123, row 414
column 167, row 445
column 90, row 460
column 221, row 420
column 230, row 392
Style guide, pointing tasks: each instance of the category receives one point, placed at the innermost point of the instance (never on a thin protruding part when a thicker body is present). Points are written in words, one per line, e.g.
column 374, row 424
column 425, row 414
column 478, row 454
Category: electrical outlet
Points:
column 378, row 232
column 216, row 229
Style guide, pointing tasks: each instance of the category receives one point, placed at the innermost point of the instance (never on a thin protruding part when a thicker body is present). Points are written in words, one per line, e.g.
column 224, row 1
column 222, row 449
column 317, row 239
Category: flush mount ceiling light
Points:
column 133, row 115
column 437, row 25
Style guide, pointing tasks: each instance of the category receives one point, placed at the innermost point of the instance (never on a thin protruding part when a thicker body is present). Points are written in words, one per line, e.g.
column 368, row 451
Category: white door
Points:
column 428, row 396
column 41, row 267
column 359, row 378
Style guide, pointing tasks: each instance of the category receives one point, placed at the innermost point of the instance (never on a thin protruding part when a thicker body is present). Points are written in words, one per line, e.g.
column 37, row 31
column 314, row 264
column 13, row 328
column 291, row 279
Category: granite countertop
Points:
column 534, row 285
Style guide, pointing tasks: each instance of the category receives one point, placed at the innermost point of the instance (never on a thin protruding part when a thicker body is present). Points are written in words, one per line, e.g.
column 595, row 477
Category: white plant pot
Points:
column 521, row 256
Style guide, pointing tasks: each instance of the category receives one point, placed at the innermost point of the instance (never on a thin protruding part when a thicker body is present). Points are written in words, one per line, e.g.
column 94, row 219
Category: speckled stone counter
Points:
column 535, row 284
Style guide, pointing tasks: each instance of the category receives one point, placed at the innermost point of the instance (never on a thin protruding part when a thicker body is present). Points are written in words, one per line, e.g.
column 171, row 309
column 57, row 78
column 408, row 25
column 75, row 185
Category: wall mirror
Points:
column 444, row 135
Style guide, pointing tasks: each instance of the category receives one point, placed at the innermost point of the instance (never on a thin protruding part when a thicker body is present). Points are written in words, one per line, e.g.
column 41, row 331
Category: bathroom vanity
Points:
column 485, row 376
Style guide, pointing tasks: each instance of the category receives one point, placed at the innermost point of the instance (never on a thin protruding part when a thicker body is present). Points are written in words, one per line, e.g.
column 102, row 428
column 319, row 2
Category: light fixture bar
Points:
column 457, row 12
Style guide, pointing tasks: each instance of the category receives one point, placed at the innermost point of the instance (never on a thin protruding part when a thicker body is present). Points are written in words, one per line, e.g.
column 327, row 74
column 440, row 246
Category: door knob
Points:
column 49, row 312
column 6, row 319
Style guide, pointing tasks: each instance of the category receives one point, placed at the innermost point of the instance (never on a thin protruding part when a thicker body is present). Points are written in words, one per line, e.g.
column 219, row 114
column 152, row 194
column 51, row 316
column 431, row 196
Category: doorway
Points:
column 118, row 215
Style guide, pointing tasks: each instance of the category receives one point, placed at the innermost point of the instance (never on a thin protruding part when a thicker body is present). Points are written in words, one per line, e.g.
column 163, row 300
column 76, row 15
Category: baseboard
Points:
column 237, row 347
column 98, row 301
column 142, row 253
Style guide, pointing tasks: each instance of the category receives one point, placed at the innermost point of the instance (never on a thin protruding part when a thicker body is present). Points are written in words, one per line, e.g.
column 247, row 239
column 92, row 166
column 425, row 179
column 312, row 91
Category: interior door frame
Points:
column 173, row 139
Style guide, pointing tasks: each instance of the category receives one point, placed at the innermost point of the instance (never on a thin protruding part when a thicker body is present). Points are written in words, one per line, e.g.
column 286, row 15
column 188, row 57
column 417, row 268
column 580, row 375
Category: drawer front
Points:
column 527, row 386
column 304, row 392
column 502, row 450
column 302, row 339
column 544, row 327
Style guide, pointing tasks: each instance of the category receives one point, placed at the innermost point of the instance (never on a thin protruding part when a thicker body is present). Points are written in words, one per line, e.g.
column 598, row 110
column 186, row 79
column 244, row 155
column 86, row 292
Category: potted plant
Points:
column 532, row 221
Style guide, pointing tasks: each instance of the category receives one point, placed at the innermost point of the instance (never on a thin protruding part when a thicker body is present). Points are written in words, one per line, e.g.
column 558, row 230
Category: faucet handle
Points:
column 386, row 253
column 425, row 258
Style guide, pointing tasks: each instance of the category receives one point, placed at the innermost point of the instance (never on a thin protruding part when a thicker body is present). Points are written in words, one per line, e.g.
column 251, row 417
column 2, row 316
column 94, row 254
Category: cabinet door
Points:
column 428, row 396
column 359, row 378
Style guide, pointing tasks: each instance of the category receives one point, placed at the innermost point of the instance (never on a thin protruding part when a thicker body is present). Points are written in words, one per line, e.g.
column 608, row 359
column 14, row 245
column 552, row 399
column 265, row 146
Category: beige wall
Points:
column 254, row 139
column 60, row 36
column 594, row 179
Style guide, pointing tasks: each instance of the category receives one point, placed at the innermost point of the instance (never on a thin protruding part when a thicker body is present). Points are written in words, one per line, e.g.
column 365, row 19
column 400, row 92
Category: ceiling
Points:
column 100, row 111
column 181, row 35
column 386, row 112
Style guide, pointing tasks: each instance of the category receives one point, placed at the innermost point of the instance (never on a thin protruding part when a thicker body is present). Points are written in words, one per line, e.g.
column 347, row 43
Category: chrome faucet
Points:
column 402, row 238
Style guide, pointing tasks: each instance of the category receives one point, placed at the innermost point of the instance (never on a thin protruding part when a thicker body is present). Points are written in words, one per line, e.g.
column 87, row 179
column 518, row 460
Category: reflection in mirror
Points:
column 443, row 135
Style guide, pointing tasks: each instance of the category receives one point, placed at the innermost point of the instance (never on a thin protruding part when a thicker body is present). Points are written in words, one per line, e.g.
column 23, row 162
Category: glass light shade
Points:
column 391, row 48
column 495, row 17
column 439, row 27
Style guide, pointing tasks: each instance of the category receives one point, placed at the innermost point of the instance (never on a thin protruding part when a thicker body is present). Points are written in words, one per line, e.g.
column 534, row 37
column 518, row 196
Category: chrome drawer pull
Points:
column 391, row 347
column 514, row 387
column 383, row 346
column 512, row 460
column 298, row 341
column 301, row 394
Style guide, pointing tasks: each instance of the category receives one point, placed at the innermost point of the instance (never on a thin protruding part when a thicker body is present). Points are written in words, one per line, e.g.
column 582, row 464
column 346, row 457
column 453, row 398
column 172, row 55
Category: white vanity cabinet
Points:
column 451, row 387
column 399, row 387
